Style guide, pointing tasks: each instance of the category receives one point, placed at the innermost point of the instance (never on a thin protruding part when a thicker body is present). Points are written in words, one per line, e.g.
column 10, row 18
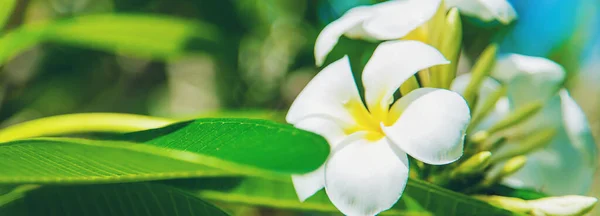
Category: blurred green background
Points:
column 262, row 59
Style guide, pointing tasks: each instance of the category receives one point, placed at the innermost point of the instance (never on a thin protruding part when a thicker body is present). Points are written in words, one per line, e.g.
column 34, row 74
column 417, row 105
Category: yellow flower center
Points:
column 370, row 121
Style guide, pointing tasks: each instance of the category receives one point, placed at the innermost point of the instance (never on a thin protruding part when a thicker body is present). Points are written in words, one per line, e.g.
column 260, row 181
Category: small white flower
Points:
column 368, row 168
column 566, row 164
column 396, row 19
column 384, row 21
column 486, row 10
column 550, row 206
column 566, row 205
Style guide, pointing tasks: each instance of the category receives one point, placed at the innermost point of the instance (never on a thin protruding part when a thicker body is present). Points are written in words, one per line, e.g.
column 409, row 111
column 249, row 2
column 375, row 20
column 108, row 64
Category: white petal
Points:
column 330, row 35
column 486, row 10
column 488, row 86
column 578, row 130
column 365, row 177
column 392, row 63
column 569, row 157
column 326, row 94
column 308, row 184
column 395, row 19
column 565, row 205
column 327, row 128
column 432, row 125
column 529, row 78
column 511, row 65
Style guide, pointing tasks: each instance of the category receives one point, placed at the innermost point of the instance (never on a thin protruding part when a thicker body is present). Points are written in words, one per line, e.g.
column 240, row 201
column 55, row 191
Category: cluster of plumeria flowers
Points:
column 509, row 119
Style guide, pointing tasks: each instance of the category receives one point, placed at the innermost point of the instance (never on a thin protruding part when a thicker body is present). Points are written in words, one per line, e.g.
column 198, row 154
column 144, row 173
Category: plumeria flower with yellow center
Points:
column 565, row 165
column 368, row 168
column 383, row 21
column 423, row 20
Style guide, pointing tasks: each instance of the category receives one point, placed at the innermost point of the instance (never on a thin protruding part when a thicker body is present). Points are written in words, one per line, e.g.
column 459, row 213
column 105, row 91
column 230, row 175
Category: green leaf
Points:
column 419, row 198
column 441, row 201
column 525, row 194
column 6, row 8
column 80, row 123
column 272, row 115
column 254, row 142
column 67, row 161
column 111, row 199
column 207, row 147
column 140, row 35
column 272, row 194
column 5, row 189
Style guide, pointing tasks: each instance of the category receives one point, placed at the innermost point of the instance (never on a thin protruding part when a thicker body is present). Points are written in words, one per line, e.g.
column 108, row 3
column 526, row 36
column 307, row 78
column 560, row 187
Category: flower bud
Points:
column 509, row 203
column 480, row 71
column 571, row 205
column 519, row 115
column 488, row 105
column 513, row 165
column 409, row 85
column 565, row 205
column 510, row 167
column 474, row 164
column 528, row 144
column 450, row 45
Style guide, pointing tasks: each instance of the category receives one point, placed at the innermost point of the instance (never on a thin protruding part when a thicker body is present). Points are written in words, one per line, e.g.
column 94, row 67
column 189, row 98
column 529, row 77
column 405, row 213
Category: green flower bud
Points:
column 474, row 164
column 481, row 69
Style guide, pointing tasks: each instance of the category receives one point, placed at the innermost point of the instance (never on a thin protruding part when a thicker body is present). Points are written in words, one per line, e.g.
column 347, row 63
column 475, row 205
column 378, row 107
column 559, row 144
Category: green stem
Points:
column 81, row 123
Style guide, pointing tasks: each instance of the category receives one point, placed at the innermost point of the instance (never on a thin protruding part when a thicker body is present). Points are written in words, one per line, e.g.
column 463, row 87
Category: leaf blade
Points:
column 146, row 36
column 303, row 150
column 419, row 198
column 175, row 151
column 112, row 199
column 68, row 161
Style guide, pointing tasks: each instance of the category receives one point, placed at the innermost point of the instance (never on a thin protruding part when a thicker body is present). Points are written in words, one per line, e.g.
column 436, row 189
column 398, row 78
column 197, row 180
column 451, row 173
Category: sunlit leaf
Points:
column 259, row 143
column 76, row 123
column 442, row 201
column 206, row 147
column 272, row 115
column 139, row 35
column 110, row 199
column 78, row 161
column 419, row 198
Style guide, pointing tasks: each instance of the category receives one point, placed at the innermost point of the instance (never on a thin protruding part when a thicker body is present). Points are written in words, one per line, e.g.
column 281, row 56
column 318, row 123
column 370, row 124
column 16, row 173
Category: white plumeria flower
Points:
column 383, row 21
column 396, row 19
column 566, row 164
column 485, row 10
column 368, row 168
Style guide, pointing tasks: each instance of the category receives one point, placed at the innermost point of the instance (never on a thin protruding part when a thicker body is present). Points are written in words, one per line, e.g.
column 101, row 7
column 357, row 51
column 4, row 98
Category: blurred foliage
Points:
column 260, row 46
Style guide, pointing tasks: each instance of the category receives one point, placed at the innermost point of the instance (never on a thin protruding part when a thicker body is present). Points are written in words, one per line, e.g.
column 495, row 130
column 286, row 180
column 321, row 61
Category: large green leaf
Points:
column 254, row 142
column 140, row 35
column 419, row 198
column 273, row 115
column 110, row 199
column 441, row 201
column 6, row 8
column 79, row 161
column 207, row 147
